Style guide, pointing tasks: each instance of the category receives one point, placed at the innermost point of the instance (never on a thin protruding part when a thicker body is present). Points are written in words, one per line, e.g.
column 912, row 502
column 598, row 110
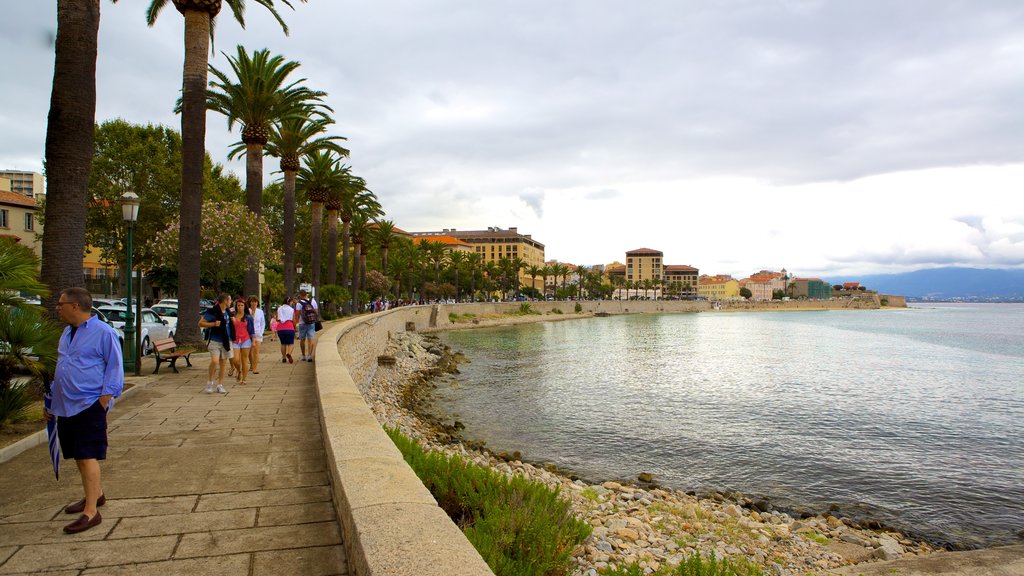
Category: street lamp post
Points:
column 298, row 274
column 130, row 212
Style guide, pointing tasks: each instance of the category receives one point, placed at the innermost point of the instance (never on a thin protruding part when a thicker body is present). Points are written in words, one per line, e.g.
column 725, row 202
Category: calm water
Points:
column 914, row 417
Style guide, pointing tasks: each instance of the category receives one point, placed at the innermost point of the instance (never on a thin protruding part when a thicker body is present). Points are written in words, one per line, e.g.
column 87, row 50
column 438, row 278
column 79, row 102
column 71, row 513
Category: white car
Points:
column 153, row 328
column 168, row 312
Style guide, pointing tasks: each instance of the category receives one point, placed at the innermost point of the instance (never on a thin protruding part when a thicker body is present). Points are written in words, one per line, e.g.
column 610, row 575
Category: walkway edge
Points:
column 390, row 522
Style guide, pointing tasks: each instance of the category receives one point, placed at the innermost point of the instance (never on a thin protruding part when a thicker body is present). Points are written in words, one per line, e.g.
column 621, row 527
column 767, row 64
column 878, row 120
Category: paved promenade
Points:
column 195, row 483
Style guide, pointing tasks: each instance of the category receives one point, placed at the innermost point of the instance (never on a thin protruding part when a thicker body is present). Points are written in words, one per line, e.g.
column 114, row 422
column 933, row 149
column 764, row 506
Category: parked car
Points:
column 106, row 302
column 168, row 312
column 152, row 327
column 167, row 302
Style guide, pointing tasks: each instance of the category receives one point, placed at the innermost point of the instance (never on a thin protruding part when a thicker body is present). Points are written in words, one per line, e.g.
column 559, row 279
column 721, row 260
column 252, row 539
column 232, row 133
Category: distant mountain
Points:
column 942, row 283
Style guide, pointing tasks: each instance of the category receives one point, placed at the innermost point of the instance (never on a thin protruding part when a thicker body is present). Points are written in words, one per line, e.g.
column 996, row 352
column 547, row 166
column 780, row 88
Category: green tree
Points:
column 746, row 293
column 199, row 16
column 28, row 338
column 322, row 173
column 232, row 235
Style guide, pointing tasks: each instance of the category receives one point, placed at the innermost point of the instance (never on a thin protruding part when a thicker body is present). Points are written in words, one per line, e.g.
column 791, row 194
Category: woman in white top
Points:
column 259, row 325
column 286, row 319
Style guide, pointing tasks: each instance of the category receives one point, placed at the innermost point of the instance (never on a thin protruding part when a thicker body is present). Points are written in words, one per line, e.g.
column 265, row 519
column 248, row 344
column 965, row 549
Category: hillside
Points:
column 942, row 283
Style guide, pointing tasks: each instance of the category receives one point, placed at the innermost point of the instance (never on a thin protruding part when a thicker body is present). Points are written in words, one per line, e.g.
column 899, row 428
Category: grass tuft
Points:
column 694, row 565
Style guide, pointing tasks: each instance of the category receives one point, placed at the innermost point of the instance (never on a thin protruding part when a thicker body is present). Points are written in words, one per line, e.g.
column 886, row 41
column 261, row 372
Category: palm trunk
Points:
column 362, row 268
column 332, row 246
column 69, row 146
column 345, row 240
column 384, row 259
column 289, row 231
column 316, row 240
column 355, row 278
column 193, row 155
column 254, row 200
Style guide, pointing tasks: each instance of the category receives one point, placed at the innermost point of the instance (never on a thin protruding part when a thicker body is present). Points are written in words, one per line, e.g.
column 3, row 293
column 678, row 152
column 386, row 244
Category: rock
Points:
column 782, row 531
column 628, row 534
column 616, row 524
column 611, row 485
column 762, row 505
column 888, row 549
column 733, row 511
column 604, row 546
column 645, row 477
column 755, row 516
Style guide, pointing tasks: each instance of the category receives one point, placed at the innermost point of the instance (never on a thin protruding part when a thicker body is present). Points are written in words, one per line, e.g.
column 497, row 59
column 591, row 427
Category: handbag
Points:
column 318, row 326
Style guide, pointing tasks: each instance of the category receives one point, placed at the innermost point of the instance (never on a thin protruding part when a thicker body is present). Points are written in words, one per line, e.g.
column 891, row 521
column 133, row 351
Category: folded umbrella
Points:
column 51, row 433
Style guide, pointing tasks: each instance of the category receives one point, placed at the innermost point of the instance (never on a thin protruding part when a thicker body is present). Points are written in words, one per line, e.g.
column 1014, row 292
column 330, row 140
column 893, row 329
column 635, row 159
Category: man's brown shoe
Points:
column 83, row 523
column 79, row 507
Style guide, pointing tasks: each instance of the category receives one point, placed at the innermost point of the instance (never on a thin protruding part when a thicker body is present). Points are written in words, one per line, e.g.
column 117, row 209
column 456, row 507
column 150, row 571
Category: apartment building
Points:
column 644, row 264
column 764, row 283
column 25, row 183
column 719, row 287
column 495, row 243
column 18, row 217
column 681, row 279
column 814, row 288
column 451, row 243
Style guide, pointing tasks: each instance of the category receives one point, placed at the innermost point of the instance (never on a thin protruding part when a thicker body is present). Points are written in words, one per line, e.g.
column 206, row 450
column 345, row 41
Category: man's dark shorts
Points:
column 84, row 435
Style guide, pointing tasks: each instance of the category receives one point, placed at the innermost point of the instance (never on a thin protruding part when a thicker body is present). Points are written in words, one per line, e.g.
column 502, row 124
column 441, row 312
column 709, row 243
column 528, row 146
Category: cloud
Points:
column 534, row 198
column 603, row 194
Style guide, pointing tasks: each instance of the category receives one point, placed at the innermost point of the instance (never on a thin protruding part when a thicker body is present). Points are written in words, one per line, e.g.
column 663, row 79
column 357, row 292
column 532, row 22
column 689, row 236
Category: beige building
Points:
column 681, row 279
column 644, row 264
column 25, row 183
column 495, row 243
column 18, row 217
column 763, row 284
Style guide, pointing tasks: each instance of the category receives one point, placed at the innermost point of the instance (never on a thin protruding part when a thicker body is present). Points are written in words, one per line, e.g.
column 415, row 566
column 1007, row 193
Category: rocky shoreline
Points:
column 633, row 522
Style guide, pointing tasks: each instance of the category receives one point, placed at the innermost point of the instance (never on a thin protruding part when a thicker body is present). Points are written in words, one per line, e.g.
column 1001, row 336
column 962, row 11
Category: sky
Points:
column 832, row 138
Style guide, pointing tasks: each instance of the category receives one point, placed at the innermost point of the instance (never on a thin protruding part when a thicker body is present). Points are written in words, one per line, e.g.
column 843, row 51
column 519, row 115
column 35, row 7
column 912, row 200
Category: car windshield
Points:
column 115, row 315
column 166, row 311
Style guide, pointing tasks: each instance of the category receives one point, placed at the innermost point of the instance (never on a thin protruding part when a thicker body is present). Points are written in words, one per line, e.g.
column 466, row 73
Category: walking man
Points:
column 309, row 315
column 89, row 376
column 218, row 321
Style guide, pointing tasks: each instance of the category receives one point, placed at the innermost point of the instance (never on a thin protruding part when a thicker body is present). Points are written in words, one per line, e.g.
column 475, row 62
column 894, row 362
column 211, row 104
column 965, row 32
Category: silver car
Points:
column 151, row 326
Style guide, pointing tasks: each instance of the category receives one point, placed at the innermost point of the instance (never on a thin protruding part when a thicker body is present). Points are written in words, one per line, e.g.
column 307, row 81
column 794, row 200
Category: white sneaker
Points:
column 209, row 387
column 220, row 389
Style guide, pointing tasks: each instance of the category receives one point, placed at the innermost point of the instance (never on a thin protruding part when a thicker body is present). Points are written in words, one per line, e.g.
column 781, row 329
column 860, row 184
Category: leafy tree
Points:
column 377, row 283
column 746, row 293
column 778, row 294
column 231, row 235
column 28, row 338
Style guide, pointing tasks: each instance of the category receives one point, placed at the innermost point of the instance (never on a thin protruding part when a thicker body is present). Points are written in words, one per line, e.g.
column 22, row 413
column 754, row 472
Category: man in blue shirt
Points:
column 218, row 321
column 89, row 376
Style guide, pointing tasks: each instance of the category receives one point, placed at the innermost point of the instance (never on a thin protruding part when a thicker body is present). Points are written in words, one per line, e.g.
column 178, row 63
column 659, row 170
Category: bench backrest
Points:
column 164, row 344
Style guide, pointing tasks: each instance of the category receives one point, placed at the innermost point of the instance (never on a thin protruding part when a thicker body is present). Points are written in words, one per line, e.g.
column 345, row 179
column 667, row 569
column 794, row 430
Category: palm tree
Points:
column 359, row 228
column 355, row 197
column 457, row 259
column 545, row 271
column 473, row 265
column 384, row 234
column 333, row 205
column 323, row 172
column 256, row 99
column 200, row 16
column 290, row 140
column 70, row 130
column 516, row 264
column 437, row 253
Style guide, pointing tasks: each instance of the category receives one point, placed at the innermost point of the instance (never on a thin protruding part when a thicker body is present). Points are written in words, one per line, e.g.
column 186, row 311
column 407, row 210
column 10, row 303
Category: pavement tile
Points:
column 53, row 531
column 6, row 552
column 34, row 515
column 79, row 555
column 323, row 561
column 296, row 514
column 235, row 565
column 274, row 481
column 184, row 523
column 257, row 539
column 158, row 506
column 231, row 500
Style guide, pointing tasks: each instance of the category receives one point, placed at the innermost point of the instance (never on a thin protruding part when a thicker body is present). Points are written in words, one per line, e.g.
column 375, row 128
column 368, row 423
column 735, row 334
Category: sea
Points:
column 911, row 417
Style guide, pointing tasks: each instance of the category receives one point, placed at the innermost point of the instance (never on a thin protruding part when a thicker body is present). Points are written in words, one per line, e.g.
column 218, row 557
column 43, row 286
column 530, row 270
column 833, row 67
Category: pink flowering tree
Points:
column 230, row 235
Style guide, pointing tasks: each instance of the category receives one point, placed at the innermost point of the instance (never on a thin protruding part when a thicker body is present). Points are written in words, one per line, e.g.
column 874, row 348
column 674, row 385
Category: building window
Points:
column 3, row 218
column 29, row 221
column 86, row 274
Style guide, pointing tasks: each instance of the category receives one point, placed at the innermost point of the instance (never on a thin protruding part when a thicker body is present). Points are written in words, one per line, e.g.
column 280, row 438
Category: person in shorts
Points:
column 89, row 376
column 218, row 321
column 241, row 342
column 259, row 326
column 309, row 314
column 286, row 328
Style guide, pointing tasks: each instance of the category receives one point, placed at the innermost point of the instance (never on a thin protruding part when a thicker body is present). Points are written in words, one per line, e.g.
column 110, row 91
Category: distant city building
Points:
column 494, row 244
column 451, row 243
column 719, row 287
column 813, row 288
column 681, row 279
column 25, row 183
column 643, row 264
column 763, row 284
column 18, row 217
column 646, row 264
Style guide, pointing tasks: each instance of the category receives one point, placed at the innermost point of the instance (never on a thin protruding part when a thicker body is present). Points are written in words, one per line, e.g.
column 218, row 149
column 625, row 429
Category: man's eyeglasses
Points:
column 59, row 304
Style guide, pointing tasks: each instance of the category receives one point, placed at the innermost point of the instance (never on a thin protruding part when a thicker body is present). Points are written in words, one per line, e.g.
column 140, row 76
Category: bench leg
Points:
column 157, row 369
column 188, row 361
column 173, row 367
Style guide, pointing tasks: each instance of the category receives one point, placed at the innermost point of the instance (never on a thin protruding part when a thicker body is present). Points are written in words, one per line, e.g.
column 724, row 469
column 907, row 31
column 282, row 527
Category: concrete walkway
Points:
column 1003, row 561
column 195, row 483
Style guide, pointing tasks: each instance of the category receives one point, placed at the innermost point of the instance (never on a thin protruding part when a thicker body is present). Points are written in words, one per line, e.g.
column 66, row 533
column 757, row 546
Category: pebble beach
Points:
column 633, row 520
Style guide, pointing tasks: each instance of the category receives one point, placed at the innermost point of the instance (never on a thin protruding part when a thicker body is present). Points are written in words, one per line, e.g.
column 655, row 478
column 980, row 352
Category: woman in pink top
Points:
column 241, row 342
column 286, row 315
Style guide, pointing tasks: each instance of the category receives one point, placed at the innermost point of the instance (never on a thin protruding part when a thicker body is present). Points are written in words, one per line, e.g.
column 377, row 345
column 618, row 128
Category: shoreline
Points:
column 636, row 521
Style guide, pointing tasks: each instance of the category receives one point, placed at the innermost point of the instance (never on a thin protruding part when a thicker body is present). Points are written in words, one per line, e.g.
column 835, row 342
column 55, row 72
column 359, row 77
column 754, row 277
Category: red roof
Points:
column 448, row 240
column 679, row 268
column 16, row 199
column 644, row 252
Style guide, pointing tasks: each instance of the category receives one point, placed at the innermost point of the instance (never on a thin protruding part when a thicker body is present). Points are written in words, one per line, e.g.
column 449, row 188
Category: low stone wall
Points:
column 391, row 523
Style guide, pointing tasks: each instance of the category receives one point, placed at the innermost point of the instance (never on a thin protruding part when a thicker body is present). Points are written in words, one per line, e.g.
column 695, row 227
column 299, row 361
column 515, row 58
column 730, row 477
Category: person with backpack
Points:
column 309, row 316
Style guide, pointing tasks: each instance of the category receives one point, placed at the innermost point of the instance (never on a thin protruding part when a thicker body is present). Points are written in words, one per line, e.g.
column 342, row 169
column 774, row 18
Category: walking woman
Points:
column 241, row 344
column 259, row 325
column 286, row 329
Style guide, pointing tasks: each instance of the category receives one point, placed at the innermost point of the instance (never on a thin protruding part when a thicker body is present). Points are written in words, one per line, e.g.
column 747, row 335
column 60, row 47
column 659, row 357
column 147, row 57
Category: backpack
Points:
column 309, row 314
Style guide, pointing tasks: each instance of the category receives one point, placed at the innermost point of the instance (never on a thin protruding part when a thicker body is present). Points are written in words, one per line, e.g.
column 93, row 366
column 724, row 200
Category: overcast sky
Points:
column 829, row 137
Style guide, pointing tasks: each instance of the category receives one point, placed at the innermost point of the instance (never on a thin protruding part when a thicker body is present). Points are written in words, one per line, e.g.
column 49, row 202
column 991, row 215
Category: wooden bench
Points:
column 165, row 351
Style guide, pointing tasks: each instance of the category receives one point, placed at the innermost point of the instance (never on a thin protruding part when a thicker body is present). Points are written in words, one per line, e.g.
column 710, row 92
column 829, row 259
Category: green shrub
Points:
column 16, row 402
column 556, row 311
column 579, row 308
column 695, row 565
column 525, row 309
column 520, row 527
